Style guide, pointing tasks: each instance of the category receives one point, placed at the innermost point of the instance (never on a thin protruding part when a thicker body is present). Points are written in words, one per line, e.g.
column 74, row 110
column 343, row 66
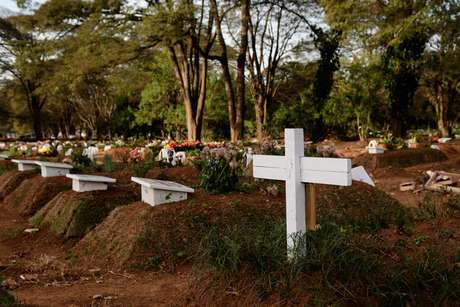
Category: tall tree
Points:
column 185, row 30
column 235, row 102
column 441, row 74
column 271, row 33
column 23, row 56
column 399, row 30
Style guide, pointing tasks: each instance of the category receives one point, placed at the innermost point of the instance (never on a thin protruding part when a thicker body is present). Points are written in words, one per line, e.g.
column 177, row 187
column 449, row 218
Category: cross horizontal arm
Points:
column 332, row 171
column 270, row 167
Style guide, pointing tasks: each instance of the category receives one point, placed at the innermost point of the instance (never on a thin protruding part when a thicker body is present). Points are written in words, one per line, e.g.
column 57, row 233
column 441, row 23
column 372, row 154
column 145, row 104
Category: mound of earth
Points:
column 140, row 235
column 33, row 193
column 10, row 180
column 360, row 206
column 71, row 214
column 399, row 158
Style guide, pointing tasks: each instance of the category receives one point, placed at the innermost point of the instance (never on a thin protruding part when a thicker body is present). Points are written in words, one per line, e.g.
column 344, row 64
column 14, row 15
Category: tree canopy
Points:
column 230, row 69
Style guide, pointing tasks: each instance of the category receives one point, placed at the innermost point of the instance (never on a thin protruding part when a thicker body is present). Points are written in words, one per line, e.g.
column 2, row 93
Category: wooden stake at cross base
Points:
column 310, row 206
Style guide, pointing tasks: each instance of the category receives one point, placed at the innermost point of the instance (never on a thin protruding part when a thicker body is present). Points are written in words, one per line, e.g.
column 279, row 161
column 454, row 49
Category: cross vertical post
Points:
column 295, row 191
column 296, row 170
column 311, row 206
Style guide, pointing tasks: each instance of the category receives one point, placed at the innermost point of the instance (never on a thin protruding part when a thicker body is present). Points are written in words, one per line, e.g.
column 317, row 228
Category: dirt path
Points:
column 152, row 289
column 39, row 272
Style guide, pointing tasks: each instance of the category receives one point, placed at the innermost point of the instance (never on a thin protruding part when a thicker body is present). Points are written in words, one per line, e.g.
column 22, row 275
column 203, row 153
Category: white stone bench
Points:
column 25, row 165
column 156, row 192
column 87, row 183
column 52, row 169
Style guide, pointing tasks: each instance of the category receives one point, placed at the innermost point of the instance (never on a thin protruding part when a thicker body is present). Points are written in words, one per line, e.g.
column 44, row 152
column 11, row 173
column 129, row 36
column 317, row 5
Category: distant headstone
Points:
column 156, row 192
column 68, row 152
column 90, row 152
column 168, row 155
column 373, row 148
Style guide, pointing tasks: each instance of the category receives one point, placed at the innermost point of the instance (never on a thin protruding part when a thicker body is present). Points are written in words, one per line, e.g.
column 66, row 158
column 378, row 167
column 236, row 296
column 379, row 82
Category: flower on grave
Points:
column 171, row 145
column 46, row 150
column 135, row 155
column 119, row 143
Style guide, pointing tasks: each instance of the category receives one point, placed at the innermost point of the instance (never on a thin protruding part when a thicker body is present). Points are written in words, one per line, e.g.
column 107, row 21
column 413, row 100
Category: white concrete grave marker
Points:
column 373, row 148
column 25, row 165
column 295, row 170
column 156, row 192
column 52, row 169
column 87, row 183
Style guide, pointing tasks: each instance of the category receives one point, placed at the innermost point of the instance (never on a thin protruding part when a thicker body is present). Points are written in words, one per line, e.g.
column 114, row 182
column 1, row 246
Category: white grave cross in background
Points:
column 295, row 170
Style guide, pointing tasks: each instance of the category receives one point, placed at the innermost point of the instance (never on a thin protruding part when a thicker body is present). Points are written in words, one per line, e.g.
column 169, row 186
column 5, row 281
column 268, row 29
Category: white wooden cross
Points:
column 295, row 170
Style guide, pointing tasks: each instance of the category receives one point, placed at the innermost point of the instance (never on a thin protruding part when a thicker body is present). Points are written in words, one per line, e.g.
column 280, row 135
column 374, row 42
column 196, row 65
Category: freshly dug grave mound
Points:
column 10, row 180
column 71, row 214
column 360, row 206
column 399, row 158
column 138, row 235
column 35, row 192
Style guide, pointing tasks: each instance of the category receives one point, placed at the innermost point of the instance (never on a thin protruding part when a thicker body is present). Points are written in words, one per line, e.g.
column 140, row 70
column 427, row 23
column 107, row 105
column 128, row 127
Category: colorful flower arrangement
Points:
column 184, row 145
column 136, row 155
column 46, row 150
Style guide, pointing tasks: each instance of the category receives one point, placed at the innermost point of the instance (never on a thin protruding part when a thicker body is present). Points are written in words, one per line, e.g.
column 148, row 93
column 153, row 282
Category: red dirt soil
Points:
column 34, row 193
column 10, row 180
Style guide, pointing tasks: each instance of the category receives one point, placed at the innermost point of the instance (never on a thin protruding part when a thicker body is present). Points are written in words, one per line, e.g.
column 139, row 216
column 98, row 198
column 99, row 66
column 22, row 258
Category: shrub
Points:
column 108, row 163
column 80, row 161
column 6, row 299
column 141, row 168
column 219, row 170
column 121, row 154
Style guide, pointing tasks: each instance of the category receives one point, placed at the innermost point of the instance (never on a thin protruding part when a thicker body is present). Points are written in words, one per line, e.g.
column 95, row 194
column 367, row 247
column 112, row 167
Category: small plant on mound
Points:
column 138, row 162
column 79, row 160
column 219, row 169
column 6, row 299
column 108, row 164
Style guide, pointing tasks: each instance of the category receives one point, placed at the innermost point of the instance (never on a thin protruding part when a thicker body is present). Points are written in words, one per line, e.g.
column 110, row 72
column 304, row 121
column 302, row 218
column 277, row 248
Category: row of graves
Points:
column 299, row 173
column 114, row 220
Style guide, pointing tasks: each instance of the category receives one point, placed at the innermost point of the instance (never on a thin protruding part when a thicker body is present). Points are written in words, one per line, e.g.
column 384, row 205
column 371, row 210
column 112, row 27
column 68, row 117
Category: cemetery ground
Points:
column 374, row 246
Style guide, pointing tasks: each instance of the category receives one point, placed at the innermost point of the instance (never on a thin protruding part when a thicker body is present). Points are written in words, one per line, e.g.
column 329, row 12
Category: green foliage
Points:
column 220, row 170
column 108, row 163
column 141, row 168
column 6, row 299
column 358, row 99
column 79, row 161
column 160, row 100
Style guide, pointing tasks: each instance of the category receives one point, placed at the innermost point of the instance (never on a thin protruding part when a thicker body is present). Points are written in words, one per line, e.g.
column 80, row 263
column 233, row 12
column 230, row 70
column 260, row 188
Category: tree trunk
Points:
column 192, row 80
column 260, row 115
column 235, row 105
column 37, row 117
column 441, row 117
column 240, row 70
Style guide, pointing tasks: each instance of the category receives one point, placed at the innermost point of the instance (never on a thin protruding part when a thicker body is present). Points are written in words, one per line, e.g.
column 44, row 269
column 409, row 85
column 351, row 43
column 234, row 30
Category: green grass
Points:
column 6, row 299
